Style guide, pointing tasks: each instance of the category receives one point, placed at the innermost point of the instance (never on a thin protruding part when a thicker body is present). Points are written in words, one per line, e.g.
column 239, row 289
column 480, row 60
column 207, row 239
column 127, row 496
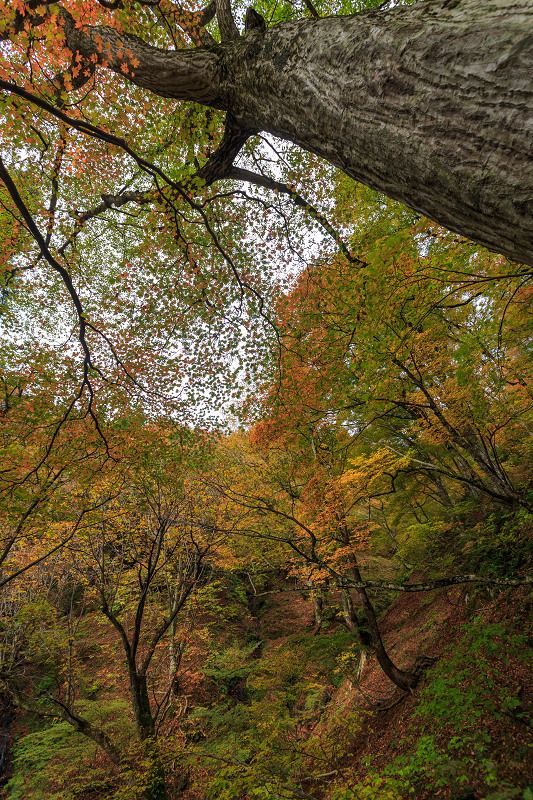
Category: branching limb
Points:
column 109, row 201
column 254, row 23
column 193, row 23
column 56, row 266
column 67, row 280
column 220, row 163
column 68, row 715
column 79, row 73
column 239, row 174
column 228, row 30
column 220, row 166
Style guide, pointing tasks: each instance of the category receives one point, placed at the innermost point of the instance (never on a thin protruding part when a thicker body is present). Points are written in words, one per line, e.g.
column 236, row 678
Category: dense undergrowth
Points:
column 278, row 709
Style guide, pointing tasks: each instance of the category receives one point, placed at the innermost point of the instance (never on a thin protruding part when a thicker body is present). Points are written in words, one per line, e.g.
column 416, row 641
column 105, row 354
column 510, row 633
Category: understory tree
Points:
column 132, row 567
column 400, row 395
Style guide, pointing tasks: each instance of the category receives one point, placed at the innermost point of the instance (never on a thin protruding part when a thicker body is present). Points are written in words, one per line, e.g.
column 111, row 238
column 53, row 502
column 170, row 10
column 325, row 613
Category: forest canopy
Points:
column 266, row 411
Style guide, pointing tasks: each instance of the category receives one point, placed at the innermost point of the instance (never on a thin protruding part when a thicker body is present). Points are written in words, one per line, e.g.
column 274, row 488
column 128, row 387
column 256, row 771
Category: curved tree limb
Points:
column 96, row 133
column 68, row 715
column 181, row 74
column 220, row 162
column 239, row 174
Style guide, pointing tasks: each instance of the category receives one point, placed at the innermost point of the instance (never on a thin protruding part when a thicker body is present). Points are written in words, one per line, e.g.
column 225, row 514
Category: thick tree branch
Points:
column 207, row 14
column 182, row 74
column 226, row 24
column 68, row 715
column 254, row 23
column 219, row 164
column 80, row 72
column 389, row 97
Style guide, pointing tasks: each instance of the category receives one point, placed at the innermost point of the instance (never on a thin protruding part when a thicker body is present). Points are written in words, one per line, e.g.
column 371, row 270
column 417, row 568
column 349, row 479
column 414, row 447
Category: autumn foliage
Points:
column 266, row 455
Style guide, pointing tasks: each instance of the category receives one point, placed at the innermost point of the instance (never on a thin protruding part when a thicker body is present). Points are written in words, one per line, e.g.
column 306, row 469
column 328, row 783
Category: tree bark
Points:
column 145, row 725
column 349, row 614
column 430, row 103
column 403, row 679
column 317, row 597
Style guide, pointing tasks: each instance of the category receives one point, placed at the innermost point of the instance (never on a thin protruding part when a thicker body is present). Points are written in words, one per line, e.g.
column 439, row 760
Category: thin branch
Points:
column 239, row 174
column 311, row 8
column 56, row 266
column 97, row 133
column 429, row 586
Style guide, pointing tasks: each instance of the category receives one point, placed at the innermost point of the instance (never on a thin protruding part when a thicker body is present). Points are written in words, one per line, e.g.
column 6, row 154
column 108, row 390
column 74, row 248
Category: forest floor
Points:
column 422, row 626
column 414, row 627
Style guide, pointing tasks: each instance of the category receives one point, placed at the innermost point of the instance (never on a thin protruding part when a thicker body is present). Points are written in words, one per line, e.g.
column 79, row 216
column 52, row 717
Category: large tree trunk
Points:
column 430, row 103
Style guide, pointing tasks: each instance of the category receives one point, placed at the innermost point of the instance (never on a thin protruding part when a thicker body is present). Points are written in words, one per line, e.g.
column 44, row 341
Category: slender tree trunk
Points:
column 176, row 648
column 431, row 103
column 349, row 613
column 318, row 605
column 145, row 725
column 175, row 655
column 404, row 680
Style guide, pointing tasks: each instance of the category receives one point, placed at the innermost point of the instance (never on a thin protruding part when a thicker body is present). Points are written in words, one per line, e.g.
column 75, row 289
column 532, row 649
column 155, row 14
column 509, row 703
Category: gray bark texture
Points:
column 429, row 103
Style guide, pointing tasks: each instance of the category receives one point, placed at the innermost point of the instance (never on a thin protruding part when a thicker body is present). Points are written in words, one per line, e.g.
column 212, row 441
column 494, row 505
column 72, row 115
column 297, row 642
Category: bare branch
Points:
column 311, row 8
column 239, row 174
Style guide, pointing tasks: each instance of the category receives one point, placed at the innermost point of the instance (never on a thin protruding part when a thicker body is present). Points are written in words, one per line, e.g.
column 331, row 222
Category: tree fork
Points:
column 430, row 103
